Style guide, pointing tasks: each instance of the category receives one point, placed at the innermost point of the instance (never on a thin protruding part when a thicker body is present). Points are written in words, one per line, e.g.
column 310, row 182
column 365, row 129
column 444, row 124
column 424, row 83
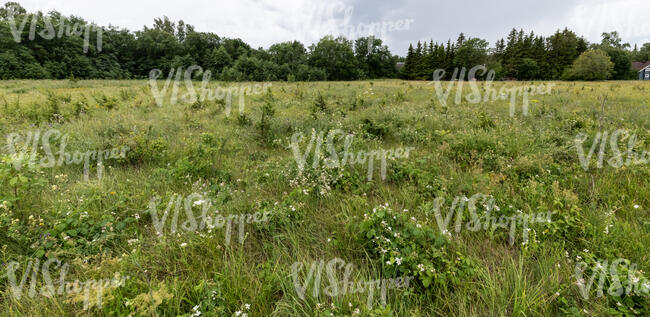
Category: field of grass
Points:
column 385, row 227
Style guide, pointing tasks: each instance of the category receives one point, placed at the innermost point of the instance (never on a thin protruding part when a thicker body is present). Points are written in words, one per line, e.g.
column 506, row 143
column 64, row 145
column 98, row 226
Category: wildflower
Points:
column 196, row 311
column 247, row 306
column 421, row 267
column 137, row 216
column 198, row 202
column 183, row 245
column 113, row 193
column 636, row 206
column 398, row 261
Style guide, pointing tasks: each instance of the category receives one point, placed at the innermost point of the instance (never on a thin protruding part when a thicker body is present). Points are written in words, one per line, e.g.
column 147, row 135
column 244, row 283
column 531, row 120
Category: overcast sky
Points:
column 264, row 22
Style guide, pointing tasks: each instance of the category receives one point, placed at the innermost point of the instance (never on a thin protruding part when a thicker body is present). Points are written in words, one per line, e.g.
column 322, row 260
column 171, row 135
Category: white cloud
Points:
column 629, row 17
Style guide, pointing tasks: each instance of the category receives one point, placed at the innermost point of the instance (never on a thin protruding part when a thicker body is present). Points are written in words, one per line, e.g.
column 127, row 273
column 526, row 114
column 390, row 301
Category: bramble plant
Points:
column 405, row 247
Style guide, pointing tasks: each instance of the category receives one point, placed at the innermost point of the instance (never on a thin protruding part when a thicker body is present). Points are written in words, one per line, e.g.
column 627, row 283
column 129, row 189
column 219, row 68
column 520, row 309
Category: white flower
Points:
column 421, row 267
column 388, row 263
column 137, row 216
column 199, row 202
column 247, row 306
column 238, row 313
column 196, row 311
column 636, row 206
column 183, row 245
column 398, row 261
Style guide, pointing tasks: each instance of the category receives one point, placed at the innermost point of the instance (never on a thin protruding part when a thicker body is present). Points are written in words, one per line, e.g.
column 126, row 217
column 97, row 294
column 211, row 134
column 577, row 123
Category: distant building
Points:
column 643, row 68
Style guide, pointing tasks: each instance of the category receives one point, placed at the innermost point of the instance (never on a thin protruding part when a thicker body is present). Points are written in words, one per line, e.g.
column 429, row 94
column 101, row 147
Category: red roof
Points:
column 640, row 65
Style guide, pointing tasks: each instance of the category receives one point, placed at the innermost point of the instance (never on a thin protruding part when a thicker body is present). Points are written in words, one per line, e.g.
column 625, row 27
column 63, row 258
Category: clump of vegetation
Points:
column 405, row 247
column 107, row 102
column 320, row 104
column 264, row 125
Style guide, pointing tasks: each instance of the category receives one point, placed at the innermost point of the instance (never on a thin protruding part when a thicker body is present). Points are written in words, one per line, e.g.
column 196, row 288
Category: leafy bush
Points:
column 591, row 65
column 404, row 247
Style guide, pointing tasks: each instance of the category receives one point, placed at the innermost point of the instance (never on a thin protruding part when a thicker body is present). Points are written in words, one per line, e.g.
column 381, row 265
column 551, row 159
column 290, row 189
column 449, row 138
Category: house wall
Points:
column 644, row 74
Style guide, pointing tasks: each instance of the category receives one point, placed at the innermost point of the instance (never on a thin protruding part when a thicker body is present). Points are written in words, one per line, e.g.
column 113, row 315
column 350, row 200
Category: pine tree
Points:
column 409, row 63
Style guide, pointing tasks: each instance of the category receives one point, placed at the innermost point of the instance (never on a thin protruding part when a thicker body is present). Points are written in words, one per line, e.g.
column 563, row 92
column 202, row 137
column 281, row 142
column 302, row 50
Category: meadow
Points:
column 265, row 217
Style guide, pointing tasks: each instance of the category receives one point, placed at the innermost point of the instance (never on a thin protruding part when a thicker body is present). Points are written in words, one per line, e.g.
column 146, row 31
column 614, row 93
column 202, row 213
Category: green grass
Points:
column 529, row 162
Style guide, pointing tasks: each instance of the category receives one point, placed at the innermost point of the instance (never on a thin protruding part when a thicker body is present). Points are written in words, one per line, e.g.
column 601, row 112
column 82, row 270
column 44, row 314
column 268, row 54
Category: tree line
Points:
column 54, row 46
column 561, row 56
column 168, row 45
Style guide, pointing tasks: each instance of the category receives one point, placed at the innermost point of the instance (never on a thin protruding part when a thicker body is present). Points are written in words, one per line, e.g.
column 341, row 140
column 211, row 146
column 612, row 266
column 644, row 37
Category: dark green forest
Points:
column 53, row 46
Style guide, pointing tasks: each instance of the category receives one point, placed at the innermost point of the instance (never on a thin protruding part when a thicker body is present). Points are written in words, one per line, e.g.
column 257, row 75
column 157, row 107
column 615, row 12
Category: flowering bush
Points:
column 406, row 247
column 319, row 180
column 625, row 287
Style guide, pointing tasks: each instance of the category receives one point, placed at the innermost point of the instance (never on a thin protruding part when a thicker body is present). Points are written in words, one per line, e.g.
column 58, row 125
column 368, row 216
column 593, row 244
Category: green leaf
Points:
column 39, row 253
column 426, row 281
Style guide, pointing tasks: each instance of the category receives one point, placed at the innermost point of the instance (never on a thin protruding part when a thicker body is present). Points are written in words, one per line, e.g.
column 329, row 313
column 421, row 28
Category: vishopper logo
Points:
column 341, row 285
column 335, row 18
column 54, row 29
column 620, row 283
column 633, row 154
column 24, row 151
column 209, row 219
column 349, row 157
column 92, row 290
column 488, row 94
column 205, row 93
column 485, row 220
